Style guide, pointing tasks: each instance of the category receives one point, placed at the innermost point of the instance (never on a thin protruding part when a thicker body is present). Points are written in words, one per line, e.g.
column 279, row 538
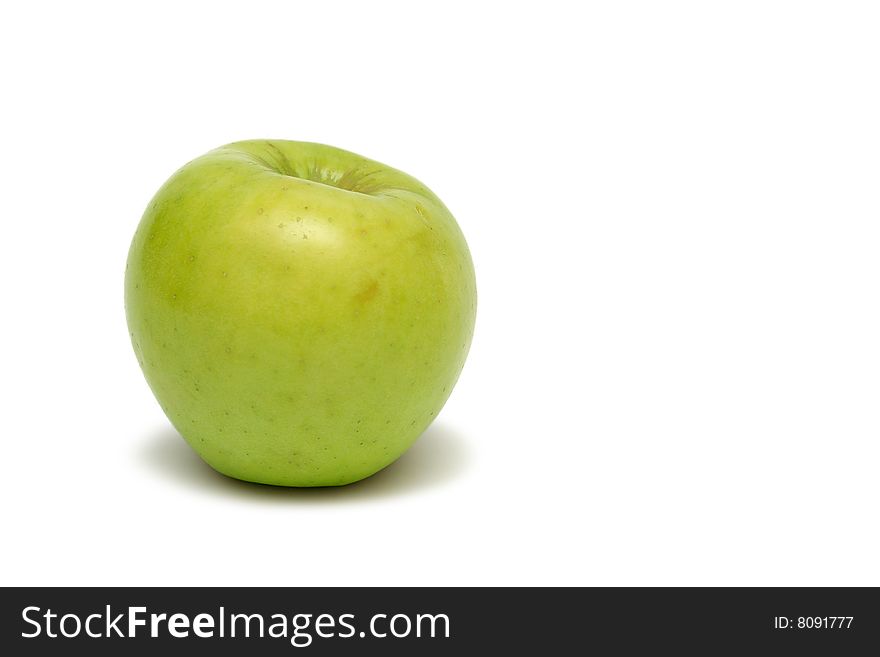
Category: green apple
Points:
column 300, row 312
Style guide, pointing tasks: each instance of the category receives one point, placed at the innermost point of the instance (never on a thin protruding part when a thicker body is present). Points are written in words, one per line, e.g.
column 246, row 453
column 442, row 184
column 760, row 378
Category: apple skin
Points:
column 301, row 313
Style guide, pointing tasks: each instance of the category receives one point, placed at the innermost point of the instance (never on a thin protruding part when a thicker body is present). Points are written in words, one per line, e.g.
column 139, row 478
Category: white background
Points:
column 674, row 213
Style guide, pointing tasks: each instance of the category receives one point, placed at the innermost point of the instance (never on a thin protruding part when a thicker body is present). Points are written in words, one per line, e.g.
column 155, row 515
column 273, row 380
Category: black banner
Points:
column 418, row 621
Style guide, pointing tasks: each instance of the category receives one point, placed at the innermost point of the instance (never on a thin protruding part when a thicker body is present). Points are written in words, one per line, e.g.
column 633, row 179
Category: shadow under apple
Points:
column 437, row 457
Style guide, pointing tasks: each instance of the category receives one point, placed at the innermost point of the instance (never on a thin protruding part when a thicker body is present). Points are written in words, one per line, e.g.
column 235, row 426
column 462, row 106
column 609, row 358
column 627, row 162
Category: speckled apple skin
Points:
column 301, row 313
